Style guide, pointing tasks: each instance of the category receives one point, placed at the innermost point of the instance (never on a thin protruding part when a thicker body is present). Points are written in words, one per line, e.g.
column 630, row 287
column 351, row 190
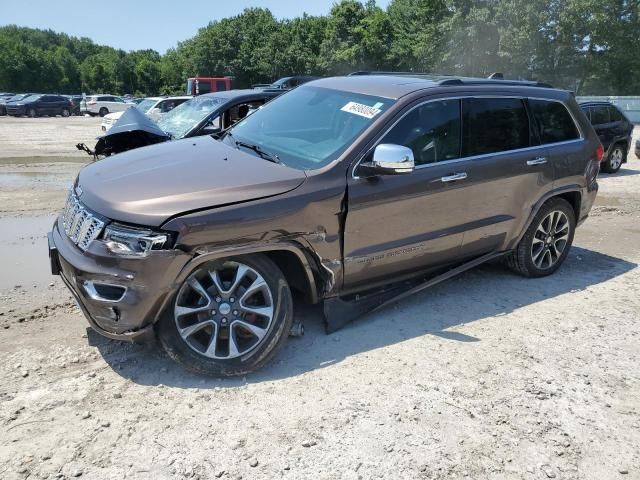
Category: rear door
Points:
column 508, row 171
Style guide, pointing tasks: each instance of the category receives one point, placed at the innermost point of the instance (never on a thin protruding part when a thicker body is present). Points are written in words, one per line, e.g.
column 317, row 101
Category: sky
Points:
column 142, row 24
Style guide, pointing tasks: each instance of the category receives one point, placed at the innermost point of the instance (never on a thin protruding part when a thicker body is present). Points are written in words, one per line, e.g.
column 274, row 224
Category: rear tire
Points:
column 103, row 111
column 65, row 112
column 547, row 241
column 242, row 312
column 614, row 161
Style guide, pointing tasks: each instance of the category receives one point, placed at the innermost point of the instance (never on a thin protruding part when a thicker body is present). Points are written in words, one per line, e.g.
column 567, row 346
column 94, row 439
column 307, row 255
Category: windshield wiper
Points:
column 272, row 157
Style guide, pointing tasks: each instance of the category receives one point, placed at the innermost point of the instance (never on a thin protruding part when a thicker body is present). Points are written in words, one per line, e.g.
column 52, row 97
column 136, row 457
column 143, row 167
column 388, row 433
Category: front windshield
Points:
column 146, row 105
column 184, row 117
column 31, row 98
column 309, row 127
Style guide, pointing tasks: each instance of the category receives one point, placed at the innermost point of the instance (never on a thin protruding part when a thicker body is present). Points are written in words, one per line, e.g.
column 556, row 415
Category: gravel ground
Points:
column 487, row 376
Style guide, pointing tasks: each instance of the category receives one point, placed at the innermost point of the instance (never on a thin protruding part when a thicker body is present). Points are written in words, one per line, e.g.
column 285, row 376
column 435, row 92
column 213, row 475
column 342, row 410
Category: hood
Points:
column 132, row 130
column 147, row 186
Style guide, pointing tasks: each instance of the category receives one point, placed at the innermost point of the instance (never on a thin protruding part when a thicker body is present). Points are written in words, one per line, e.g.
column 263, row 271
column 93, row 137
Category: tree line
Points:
column 588, row 46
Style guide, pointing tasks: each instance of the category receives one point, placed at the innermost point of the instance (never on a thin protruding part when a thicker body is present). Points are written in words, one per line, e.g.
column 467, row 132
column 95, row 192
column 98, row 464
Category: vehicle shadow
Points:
column 488, row 291
column 623, row 172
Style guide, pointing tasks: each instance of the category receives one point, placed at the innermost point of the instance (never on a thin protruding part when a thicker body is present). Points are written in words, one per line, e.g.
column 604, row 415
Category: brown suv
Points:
column 351, row 191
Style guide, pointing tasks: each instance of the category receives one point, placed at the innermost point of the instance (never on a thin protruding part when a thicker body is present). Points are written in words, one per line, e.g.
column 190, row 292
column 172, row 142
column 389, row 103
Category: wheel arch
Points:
column 572, row 194
column 296, row 264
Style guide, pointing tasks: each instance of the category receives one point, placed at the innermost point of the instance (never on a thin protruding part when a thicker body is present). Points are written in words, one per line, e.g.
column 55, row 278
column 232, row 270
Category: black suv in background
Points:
column 613, row 129
column 40, row 105
column 347, row 191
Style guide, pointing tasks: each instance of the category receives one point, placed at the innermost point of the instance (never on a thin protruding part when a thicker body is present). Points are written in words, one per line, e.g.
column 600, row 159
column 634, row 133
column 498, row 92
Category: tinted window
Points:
column 599, row 115
column 204, row 86
column 494, row 125
column 221, row 85
column 553, row 121
column 431, row 130
column 615, row 115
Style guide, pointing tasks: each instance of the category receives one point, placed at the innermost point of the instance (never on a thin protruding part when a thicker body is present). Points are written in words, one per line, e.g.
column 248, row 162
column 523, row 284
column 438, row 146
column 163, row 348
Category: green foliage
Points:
column 583, row 45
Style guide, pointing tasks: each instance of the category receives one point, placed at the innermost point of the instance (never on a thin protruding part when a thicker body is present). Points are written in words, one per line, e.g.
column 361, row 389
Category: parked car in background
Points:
column 76, row 100
column 152, row 107
column 40, row 105
column 202, row 115
column 285, row 83
column 349, row 191
column 203, row 85
column 13, row 98
column 103, row 104
column 613, row 129
column 6, row 94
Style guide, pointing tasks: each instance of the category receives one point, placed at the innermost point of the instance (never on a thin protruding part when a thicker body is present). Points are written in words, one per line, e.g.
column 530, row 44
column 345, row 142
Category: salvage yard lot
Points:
column 489, row 375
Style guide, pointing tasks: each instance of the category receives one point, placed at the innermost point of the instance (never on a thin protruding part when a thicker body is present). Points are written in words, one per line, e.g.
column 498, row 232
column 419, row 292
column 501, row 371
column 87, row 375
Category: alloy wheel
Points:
column 616, row 159
column 224, row 311
column 550, row 239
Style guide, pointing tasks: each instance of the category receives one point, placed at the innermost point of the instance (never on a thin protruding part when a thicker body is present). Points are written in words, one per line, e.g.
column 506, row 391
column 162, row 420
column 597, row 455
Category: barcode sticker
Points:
column 363, row 110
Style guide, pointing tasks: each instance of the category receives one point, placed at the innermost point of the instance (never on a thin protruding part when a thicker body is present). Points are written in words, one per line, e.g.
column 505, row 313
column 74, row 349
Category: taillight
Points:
column 600, row 153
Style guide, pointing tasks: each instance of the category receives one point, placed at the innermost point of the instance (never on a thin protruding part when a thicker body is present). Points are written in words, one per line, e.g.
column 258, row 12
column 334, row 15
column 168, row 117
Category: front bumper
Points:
column 16, row 111
column 147, row 284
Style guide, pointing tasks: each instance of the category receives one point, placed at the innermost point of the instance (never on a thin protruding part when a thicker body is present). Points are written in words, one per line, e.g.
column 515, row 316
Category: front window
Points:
column 309, row 127
column 146, row 105
column 184, row 117
column 431, row 130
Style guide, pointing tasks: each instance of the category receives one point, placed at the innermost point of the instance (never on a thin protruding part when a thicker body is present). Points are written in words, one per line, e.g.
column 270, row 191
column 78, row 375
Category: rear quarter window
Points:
column 491, row 125
column 616, row 115
column 554, row 121
column 600, row 115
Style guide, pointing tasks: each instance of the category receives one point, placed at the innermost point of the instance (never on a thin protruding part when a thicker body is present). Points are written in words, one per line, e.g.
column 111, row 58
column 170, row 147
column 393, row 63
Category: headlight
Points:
column 134, row 241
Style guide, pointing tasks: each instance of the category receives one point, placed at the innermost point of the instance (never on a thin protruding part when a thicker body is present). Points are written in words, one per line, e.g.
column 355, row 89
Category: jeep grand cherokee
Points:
column 340, row 191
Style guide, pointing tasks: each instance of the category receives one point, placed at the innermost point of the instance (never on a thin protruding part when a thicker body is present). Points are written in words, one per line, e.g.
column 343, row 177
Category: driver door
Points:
column 409, row 222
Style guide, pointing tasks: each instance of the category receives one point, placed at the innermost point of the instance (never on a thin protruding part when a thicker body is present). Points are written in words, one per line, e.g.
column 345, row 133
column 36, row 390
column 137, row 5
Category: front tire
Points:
column 229, row 317
column 65, row 112
column 103, row 111
column 614, row 160
column 547, row 241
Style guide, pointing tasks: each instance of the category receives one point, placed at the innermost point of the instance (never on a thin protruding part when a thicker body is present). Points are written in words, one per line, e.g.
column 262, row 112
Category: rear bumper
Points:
column 146, row 283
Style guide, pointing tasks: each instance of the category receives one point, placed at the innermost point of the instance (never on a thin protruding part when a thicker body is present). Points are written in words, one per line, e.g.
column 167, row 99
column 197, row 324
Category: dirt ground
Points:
column 487, row 376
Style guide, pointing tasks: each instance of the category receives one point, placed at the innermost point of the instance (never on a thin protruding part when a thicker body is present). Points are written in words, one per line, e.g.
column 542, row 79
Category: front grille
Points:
column 81, row 225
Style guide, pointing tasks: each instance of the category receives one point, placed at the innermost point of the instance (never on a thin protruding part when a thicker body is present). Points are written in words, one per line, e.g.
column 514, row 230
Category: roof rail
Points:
column 494, row 79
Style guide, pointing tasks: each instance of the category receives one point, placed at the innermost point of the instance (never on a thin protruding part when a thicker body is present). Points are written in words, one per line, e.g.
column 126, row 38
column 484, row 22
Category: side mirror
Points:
column 210, row 130
column 389, row 159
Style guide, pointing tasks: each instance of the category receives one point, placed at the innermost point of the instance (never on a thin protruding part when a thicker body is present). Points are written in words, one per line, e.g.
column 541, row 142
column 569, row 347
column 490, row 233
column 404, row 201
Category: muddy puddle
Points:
column 23, row 252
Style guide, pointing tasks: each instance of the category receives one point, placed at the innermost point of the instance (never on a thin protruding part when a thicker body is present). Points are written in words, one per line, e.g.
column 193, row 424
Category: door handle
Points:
column 537, row 161
column 454, row 177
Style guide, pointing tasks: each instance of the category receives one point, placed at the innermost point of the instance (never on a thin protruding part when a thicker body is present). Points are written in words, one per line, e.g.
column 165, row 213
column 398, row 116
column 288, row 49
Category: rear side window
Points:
column 553, row 121
column 431, row 130
column 493, row 125
column 599, row 115
column 615, row 115
column 221, row 85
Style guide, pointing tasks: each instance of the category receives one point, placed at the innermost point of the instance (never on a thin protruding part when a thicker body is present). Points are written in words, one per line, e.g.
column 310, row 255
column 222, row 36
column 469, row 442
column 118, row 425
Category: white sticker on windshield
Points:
column 363, row 110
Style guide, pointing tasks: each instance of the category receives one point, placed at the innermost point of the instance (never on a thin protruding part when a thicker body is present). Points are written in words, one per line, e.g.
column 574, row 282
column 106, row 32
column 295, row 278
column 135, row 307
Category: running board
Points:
column 338, row 311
